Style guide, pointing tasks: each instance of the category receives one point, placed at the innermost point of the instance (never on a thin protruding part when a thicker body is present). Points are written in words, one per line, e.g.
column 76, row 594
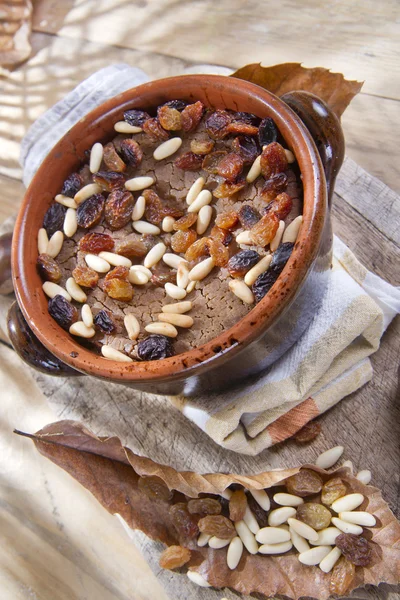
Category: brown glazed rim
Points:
column 215, row 91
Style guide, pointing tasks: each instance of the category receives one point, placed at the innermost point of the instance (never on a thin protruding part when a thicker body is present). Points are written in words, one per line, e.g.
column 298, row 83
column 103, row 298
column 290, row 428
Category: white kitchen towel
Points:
column 329, row 361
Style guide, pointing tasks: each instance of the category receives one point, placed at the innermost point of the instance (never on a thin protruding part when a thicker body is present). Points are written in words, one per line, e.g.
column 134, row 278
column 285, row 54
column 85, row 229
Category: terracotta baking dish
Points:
column 271, row 326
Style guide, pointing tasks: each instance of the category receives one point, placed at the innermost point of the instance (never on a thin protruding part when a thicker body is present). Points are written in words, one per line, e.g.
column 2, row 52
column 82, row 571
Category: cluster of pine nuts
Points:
column 285, row 532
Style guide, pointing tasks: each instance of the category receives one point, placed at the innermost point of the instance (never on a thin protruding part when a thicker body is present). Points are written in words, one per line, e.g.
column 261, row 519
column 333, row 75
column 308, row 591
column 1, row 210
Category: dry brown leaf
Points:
column 333, row 88
column 15, row 27
column 111, row 473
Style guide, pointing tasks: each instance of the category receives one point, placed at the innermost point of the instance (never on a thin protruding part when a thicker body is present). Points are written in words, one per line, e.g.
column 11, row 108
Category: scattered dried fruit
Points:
column 273, row 186
column 242, row 262
column 112, row 160
column 136, row 117
column 169, row 118
column 154, row 130
column 131, row 152
column 237, row 505
column 96, row 242
column 182, row 240
column 184, row 522
column 227, row 220
column 189, row 161
column 263, row 232
column 333, row 490
column 342, row 577
column 245, row 117
column 197, row 249
column 191, row 116
column 160, row 278
column 54, row 218
column 185, row 222
column 118, row 209
column 89, row 213
column 355, row 548
column 242, row 128
column 48, row 268
column 260, row 514
column 104, row 322
column 131, row 248
column 228, row 189
column 313, row 514
column 109, row 180
column 267, row 132
column 304, row 483
column 281, row 206
column 71, row 185
column 223, row 235
column 174, row 557
column 230, row 167
column 177, row 104
column 211, row 161
column 155, row 347
column 248, row 216
column 204, row 506
column 273, row 160
column 308, row 433
column 217, row 525
column 154, row 488
column 85, row 276
column 217, row 124
column 201, row 146
column 219, row 252
column 117, row 286
column 263, row 284
column 62, row 311
column 281, row 256
column 246, row 147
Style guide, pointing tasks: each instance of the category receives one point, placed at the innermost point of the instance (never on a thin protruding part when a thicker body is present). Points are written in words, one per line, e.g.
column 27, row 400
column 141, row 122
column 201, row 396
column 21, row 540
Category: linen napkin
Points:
column 329, row 362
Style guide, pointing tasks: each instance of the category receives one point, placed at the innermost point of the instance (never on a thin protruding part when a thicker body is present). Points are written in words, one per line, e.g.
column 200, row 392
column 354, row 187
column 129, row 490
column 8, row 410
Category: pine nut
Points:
column 275, row 548
column 124, row 127
column 303, row 529
column 364, row 476
column 326, row 565
column 176, row 319
column 145, row 227
column 244, row 238
column 79, row 328
column 288, row 499
column 290, row 156
column 314, row 556
column 96, row 156
column 87, row 315
column 138, row 183
column 43, row 241
column 154, row 255
column 242, row 291
column 162, row 328
column 349, row 465
column 358, row 518
column 202, row 199
column 167, row 148
column 182, row 275
column 137, row 277
column 203, row 219
column 174, row 291
column 97, row 264
column 167, row 224
column 327, row 537
column 75, row 290
column 53, row 289
column 113, row 354
column 291, row 232
column 116, row 260
column 298, row 541
column 132, row 326
column 139, row 208
column 262, row 498
column 177, row 308
column 280, row 515
column 255, row 170
column 347, row 527
column 247, row 537
column 203, row 539
column 234, row 553
column 278, row 236
column 327, row 459
column 272, row 535
column 66, row 201
column 217, row 543
column 143, row 269
column 173, row 260
column 349, row 502
column 191, row 286
column 227, row 494
column 251, row 521
column 198, row 579
column 201, row 270
column 55, row 244
column 70, row 222
column 88, row 190
column 195, row 190
column 257, row 270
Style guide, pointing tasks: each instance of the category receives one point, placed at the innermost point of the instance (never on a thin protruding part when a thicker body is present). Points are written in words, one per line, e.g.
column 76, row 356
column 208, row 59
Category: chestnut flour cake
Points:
column 171, row 232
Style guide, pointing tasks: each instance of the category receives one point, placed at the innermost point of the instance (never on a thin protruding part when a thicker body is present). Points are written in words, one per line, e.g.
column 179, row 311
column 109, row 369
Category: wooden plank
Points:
column 355, row 39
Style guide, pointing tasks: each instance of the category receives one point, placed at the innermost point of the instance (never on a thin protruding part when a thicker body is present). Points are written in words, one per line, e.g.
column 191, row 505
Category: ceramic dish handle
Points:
column 325, row 129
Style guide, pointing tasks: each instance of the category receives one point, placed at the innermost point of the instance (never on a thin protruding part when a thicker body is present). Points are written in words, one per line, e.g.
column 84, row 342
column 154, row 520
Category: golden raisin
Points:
column 118, row 209
column 308, row 433
column 174, row 557
column 96, row 242
column 223, row 235
column 184, row 522
column 85, row 276
column 242, row 128
column 273, row 160
column 48, row 268
column 227, row 220
column 112, row 160
column 185, row 222
column 342, row 577
column 191, row 115
column 197, row 249
column 204, row 506
column 182, row 240
column 189, row 161
column 169, row 118
column 109, row 180
column 230, row 167
column 154, row 130
column 333, row 490
column 118, row 288
column 157, row 209
column 211, row 161
column 273, row 186
column 228, row 189
column 154, row 488
column 265, row 230
column 130, row 248
column 201, row 146
column 281, row 206
column 218, row 252
column 237, row 505
column 217, row 525
column 313, row 514
column 118, row 273
column 304, row 483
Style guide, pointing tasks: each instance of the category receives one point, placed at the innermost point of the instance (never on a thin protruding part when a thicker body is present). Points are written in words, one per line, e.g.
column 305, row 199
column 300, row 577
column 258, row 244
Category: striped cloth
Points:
column 329, row 362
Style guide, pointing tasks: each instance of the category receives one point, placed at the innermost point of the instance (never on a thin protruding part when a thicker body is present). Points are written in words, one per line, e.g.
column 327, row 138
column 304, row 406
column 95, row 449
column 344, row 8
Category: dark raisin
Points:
column 155, row 347
column 62, row 311
column 177, row 104
column 89, row 213
column 228, row 189
column 72, row 185
column 189, row 161
column 112, row 160
column 136, row 117
column 109, row 180
column 267, row 132
column 259, row 513
column 96, row 242
column 248, row 216
column 281, row 256
column 273, row 186
column 118, row 209
column 54, row 218
column 230, row 167
column 184, row 522
column 246, row 147
column 104, row 322
column 355, row 548
column 263, row 284
column 242, row 262
column 131, row 152
column 245, row 117
column 48, row 268
column 217, row 124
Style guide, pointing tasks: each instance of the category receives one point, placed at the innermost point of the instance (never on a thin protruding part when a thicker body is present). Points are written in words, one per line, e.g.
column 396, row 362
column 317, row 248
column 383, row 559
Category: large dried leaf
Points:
column 333, row 88
column 111, row 473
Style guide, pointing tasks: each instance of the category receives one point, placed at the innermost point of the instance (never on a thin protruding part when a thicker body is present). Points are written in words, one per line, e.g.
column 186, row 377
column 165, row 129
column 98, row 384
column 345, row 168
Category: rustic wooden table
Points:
column 71, row 40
